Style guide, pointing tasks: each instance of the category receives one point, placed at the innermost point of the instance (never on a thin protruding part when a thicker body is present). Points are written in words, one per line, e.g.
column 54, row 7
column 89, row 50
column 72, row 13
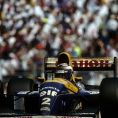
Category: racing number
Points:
column 46, row 101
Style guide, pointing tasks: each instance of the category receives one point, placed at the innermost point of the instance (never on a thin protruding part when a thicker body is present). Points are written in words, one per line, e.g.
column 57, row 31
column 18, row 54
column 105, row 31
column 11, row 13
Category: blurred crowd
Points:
column 33, row 29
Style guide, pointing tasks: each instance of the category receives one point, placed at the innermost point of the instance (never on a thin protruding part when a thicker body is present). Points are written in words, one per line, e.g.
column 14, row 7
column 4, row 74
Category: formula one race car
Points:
column 23, row 98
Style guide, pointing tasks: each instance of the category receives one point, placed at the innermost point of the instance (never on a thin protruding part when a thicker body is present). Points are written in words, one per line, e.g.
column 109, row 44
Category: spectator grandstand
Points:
column 33, row 29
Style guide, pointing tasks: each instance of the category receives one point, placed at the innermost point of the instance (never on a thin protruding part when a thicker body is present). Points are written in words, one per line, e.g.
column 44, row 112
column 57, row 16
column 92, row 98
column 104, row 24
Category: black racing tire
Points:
column 16, row 84
column 2, row 97
column 109, row 98
column 1, row 88
column 32, row 103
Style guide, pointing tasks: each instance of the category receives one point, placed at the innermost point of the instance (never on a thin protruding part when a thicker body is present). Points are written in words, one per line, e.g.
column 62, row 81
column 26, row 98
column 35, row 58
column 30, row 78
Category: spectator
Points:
column 66, row 25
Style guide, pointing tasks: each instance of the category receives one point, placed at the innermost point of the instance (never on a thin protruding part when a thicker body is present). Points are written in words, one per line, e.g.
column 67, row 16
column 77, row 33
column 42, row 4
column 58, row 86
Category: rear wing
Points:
column 85, row 64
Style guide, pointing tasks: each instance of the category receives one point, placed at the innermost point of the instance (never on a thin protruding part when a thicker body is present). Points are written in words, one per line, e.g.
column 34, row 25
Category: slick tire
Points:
column 109, row 97
column 1, row 88
column 2, row 97
column 15, row 85
column 32, row 103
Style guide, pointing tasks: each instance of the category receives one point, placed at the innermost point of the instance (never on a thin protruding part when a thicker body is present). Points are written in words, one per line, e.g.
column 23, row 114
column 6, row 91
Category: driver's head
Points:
column 64, row 71
column 64, row 68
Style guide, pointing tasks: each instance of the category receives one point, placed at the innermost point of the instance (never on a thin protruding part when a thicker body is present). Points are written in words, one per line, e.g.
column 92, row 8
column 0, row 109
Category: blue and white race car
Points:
column 24, row 99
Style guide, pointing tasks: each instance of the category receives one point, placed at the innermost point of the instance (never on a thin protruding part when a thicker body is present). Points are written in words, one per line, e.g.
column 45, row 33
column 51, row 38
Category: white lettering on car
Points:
column 49, row 93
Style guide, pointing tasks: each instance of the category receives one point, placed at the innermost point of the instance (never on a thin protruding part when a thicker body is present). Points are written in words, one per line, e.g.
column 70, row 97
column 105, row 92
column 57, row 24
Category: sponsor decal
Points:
column 91, row 63
column 45, row 108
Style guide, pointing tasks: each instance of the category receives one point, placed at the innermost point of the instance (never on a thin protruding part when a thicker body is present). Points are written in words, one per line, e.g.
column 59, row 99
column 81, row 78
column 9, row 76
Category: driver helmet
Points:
column 64, row 57
column 64, row 68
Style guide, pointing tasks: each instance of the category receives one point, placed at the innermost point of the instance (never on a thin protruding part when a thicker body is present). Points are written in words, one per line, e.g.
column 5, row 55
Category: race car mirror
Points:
column 85, row 64
column 78, row 78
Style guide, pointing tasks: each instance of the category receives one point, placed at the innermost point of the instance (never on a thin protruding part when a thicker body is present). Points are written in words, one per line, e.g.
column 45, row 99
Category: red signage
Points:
column 91, row 63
